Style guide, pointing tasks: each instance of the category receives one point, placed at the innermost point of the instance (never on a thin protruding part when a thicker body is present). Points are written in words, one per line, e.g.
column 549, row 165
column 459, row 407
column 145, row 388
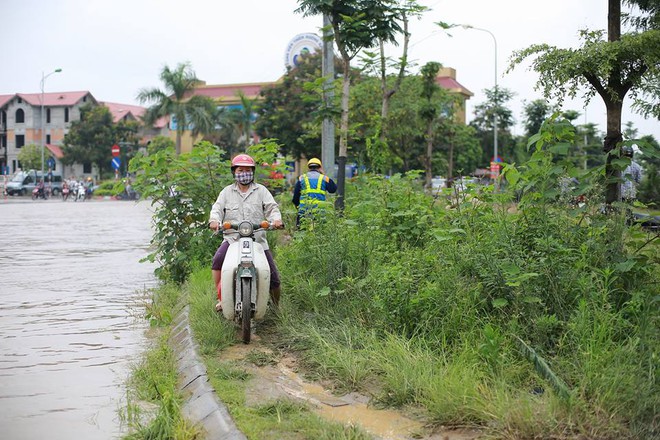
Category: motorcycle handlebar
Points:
column 264, row 225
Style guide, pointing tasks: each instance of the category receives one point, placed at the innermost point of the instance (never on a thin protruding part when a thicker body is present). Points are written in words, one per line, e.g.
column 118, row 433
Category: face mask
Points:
column 244, row 178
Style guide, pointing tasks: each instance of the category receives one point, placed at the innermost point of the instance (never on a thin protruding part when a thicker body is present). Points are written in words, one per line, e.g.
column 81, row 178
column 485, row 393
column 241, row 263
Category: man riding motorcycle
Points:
column 244, row 200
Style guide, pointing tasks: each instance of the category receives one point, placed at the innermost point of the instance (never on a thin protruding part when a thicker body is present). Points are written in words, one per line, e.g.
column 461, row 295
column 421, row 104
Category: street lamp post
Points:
column 43, row 129
column 467, row 26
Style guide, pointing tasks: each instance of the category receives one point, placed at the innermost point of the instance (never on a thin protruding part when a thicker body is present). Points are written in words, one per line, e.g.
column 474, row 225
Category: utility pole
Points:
column 328, row 128
column 43, row 128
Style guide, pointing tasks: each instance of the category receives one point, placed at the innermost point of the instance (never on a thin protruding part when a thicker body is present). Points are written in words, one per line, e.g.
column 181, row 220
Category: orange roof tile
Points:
column 119, row 111
column 4, row 99
column 57, row 151
column 55, row 99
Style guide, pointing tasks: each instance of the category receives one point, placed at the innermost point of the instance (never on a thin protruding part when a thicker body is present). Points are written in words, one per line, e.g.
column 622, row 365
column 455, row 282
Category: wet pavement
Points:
column 71, row 299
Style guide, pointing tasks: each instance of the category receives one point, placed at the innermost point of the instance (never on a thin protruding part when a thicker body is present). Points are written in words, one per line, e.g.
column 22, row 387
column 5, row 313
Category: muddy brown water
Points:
column 71, row 288
column 283, row 378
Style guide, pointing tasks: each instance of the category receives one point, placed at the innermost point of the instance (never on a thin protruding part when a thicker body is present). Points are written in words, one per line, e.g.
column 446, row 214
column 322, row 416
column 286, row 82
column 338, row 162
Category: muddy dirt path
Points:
column 280, row 375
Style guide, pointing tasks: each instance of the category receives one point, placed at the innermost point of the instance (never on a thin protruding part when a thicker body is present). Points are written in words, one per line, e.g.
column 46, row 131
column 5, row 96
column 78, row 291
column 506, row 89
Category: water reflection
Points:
column 70, row 279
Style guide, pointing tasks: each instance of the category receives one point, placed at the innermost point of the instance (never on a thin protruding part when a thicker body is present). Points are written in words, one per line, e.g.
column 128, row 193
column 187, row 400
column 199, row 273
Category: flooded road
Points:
column 71, row 286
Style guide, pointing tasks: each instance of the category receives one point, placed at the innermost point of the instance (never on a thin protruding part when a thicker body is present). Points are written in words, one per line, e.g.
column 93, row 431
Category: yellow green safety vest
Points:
column 311, row 193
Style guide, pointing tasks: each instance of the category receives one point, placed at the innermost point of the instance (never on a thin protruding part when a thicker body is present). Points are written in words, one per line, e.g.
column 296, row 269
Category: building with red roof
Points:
column 21, row 124
column 227, row 95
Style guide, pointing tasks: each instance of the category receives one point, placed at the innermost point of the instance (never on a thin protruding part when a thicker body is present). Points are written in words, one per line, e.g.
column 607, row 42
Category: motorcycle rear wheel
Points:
column 246, row 309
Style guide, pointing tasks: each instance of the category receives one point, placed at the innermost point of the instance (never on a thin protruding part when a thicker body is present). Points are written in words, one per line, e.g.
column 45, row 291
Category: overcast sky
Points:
column 114, row 48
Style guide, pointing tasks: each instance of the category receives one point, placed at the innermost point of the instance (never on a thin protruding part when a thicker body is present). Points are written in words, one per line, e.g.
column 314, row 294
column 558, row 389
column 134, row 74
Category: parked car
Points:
column 23, row 182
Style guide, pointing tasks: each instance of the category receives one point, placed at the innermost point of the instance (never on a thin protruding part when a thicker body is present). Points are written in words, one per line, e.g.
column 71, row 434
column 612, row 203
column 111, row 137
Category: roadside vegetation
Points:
column 514, row 310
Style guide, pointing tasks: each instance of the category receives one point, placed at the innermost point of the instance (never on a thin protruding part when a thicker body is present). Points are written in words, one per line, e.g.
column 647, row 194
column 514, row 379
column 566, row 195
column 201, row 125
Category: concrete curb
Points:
column 201, row 405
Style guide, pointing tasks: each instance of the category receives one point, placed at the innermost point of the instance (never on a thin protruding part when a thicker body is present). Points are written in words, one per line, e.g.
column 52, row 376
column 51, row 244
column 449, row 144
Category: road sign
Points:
column 116, row 162
column 51, row 162
column 115, row 150
column 495, row 169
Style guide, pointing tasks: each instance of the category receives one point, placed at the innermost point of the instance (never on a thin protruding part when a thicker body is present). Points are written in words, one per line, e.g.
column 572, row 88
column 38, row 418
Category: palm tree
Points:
column 178, row 100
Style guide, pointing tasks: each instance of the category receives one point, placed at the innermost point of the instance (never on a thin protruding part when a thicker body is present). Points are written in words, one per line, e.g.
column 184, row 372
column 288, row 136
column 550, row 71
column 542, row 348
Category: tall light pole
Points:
column 467, row 26
column 43, row 129
column 328, row 127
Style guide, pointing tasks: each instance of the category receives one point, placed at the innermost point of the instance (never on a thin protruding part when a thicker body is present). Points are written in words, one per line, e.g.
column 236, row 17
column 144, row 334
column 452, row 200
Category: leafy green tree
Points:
column 429, row 113
column 160, row 143
column 496, row 101
column 612, row 68
column 356, row 25
column 288, row 109
column 535, row 112
column 390, row 84
column 178, row 100
column 649, row 189
column 30, row 157
column 90, row 139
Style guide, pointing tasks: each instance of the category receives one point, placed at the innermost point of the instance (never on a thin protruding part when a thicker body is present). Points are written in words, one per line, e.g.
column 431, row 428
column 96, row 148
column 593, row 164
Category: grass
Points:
column 273, row 419
column 153, row 409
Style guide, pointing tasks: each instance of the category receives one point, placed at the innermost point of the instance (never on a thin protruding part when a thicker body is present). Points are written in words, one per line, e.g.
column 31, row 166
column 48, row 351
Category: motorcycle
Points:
column 79, row 193
column 65, row 192
column 39, row 193
column 245, row 277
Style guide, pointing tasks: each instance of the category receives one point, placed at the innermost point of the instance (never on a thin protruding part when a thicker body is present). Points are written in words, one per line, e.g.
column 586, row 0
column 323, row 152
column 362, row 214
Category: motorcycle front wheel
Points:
column 246, row 309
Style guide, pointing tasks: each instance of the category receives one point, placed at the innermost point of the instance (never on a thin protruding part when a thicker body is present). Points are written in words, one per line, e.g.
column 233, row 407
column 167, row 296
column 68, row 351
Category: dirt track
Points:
column 280, row 375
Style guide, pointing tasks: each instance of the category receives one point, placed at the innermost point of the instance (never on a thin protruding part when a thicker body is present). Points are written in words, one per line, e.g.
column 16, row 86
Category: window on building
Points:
column 48, row 139
column 87, row 168
column 85, row 98
column 20, row 101
column 4, row 118
column 47, row 116
column 20, row 140
column 66, row 114
column 20, row 116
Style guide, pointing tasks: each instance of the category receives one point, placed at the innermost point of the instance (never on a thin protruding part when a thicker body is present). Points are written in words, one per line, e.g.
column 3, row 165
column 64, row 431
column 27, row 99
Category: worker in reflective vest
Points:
column 311, row 189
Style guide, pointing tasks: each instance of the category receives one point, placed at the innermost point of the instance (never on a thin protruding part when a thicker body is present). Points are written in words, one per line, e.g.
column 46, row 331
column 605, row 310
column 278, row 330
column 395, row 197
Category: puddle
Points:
column 279, row 379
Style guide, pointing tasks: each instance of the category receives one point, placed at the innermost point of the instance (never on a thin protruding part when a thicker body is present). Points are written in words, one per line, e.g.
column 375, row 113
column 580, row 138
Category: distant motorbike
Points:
column 39, row 193
column 245, row 277
column 128, row 194
column 65, row 193
column 79, row 193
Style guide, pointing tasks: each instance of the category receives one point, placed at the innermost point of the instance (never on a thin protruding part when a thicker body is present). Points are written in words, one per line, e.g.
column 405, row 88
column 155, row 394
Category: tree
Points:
column 179, row 101
column 30, row 157
column 289, row 110
column 429, row 113
column 160, row 143
column 628, row 63
column 535, row 112
column 356, row 25
column 90, row 139
column 483, row 123
column 389, row 84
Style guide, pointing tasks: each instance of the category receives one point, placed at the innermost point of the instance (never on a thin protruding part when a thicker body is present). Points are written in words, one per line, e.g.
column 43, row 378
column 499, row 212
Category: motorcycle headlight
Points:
column 245, row 229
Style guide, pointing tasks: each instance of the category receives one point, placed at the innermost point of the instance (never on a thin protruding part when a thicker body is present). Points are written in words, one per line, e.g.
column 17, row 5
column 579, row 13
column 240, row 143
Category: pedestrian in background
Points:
column 632, row 176
column 311, row 190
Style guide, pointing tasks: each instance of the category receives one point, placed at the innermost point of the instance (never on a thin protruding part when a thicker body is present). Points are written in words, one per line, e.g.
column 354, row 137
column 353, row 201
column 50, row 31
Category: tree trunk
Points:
column 178, row 142
column 612, row 139
column 450, row 165
column 387, row 93
column 429, row 156
column 613, row 106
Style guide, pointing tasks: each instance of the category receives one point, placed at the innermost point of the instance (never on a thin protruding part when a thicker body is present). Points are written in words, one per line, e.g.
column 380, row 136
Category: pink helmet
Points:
column 243, row 160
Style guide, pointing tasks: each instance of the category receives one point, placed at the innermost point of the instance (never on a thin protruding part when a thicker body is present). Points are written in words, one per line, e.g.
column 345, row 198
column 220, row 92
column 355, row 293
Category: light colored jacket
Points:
column 255, row 205
column 632, row 176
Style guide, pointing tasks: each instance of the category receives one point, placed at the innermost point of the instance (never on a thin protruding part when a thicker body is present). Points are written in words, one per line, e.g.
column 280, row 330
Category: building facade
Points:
column 22, row 123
